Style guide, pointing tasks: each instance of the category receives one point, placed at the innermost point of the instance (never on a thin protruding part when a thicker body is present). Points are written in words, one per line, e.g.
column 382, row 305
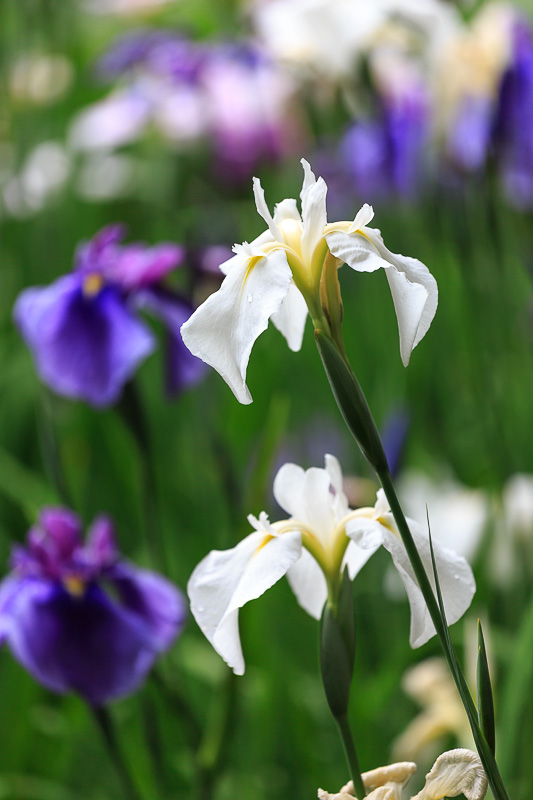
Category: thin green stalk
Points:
column 359, row 420
column 106, row 727
column 351, row 755
column 210, row 754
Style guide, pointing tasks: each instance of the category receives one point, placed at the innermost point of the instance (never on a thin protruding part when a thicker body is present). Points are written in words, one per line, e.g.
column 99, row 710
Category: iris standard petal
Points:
column 314, row 214
column 137, row 265
column 306, row 496
column 222, row 330
column 225, row 580
column 83, row 347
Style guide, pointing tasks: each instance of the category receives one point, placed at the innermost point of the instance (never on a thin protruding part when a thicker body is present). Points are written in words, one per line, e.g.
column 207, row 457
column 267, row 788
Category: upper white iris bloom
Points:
column 311, row 547
column 456, row 772
column 278, row 275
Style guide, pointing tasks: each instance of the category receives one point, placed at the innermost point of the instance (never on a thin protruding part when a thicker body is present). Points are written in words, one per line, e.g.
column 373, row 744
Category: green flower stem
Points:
column 105, row 725
column 210, row 754
column 359, row 420
column 351, row 755
column 485, row 753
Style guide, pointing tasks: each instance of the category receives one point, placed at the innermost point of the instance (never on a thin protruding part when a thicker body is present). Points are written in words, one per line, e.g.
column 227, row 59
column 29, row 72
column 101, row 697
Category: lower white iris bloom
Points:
column 321, row 536
column 456, row 772
column 278, row 275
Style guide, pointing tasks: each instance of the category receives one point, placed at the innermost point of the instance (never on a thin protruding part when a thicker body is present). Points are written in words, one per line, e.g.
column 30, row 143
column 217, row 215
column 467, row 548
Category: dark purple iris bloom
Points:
column 84, row 330
column 514, row 127
column 385, row 155
column 78, row 617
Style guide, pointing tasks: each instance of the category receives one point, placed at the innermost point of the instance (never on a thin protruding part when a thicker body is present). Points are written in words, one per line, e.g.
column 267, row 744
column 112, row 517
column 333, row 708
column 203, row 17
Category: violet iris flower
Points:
column 385, row 155
column 514, row 127
column 84, row 330
column 78, row 617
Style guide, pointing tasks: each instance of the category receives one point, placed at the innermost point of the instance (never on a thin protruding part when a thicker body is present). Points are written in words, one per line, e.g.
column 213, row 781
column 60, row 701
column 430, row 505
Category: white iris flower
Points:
column 456, row 772
column 311, row 547
column 277, row 277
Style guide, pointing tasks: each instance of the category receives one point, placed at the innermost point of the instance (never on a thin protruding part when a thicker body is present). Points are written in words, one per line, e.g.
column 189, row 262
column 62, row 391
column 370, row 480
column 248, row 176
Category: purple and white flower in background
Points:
column 228, row 95
column 78, row 617
column 84, row 330
column 514, row 127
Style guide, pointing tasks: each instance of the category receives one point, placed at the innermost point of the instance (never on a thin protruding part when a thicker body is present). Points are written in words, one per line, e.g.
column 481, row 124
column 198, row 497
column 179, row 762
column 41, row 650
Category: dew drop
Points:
column 250, row 298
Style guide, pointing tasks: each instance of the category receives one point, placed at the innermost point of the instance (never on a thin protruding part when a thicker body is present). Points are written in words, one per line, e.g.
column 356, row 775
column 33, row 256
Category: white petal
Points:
column 314, row 214
column 309, row 177
column 286, row 209
column 236, row 260
column 222, row 330
column 225, row 580
column 356, row 557
column 455, row 575
column 414, row 293
column 306, row 496
column 362, row 218
column 308, row 583
column 356, row 251
column 291, row 318
column 263, row 210
column 453, row 773
column 333, row 468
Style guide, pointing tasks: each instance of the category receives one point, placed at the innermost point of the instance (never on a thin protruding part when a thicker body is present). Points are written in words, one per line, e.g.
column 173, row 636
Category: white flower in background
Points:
column 326, row 37
column 454, row 772
column 458, row 515
column 39, row 78
column 43, row 176
column 512, row 546
column 278, row 274
column 321, row 536
column 430, row 684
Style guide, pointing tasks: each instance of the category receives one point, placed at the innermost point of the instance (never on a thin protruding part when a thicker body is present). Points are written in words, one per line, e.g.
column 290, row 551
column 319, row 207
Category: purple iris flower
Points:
column 78, row 617
column 514, row 127
column 385, row 155
column 84, row 330
column 469, row 139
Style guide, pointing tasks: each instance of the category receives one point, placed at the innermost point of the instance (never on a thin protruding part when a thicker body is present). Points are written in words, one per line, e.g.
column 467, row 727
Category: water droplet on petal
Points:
column 250, row 298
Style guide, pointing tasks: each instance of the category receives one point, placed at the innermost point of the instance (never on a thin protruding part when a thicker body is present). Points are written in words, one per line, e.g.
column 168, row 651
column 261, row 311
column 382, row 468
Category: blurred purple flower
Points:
column 78, row 617
column 229, row 94
column 514, row 127
column 470, row 136
column 84, row 330
column 385, row 155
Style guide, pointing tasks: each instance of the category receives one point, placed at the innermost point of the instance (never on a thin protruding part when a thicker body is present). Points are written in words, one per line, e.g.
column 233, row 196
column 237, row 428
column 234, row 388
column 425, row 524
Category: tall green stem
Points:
column 351, row 755
column 358, row 417
column 107, row 730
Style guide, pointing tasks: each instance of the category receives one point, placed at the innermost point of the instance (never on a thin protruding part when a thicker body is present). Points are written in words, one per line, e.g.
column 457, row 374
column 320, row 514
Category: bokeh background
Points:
column 158, row 114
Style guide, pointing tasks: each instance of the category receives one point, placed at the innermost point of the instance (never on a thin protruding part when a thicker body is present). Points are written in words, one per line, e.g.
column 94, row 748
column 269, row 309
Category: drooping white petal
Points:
column 453, row 773
column 308, row 583
column 291, row 317
column 263, row 210
column 455, row 575
column 314, row 214
column 222, row 330
column 306, row 496
column 224, row 581
column 414, row 293
column 413, row 288
column 355, row 250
